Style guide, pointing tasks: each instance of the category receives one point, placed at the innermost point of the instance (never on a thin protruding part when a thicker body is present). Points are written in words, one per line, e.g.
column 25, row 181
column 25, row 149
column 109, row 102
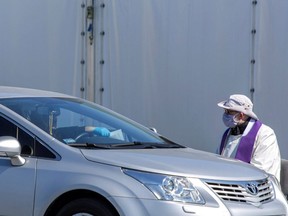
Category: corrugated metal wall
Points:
column 164, row 63
column 168, row 63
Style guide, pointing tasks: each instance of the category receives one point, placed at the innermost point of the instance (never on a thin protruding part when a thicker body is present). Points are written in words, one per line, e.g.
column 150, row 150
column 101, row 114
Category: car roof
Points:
column 17, row 92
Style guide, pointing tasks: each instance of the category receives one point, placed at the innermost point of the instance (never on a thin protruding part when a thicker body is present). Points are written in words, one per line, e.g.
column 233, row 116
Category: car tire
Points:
column 85, row 207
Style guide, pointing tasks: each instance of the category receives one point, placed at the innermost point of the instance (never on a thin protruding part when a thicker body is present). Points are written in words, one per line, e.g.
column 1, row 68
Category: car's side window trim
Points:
column 33, row 137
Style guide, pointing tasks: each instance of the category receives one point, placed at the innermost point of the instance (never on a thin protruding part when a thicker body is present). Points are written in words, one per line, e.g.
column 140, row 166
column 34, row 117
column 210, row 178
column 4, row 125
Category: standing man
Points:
column 246, row 138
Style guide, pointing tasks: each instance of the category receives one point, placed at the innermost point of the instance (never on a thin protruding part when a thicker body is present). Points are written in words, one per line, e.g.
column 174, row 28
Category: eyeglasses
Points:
column 230, row 112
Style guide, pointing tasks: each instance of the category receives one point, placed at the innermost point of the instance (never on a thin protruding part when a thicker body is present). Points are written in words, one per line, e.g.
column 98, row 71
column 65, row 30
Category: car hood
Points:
column 183, row 161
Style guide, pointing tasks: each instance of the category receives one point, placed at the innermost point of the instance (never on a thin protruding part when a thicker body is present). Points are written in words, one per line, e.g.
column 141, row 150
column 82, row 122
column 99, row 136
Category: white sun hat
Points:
column 240, row 103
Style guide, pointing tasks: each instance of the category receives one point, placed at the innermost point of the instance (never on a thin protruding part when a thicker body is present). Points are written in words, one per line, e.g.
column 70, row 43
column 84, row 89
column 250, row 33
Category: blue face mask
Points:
column 230, row 120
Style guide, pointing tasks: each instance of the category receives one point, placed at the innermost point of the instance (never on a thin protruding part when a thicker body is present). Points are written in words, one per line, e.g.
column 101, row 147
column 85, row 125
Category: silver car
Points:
column 63, row 156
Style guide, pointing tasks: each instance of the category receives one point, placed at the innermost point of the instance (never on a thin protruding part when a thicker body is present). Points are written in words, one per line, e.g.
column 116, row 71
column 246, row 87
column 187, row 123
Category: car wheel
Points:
column 85, row 207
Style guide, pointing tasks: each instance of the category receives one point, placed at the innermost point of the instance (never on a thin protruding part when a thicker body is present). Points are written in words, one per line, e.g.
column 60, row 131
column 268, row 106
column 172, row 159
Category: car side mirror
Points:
column 10, row 147
column 153, row 129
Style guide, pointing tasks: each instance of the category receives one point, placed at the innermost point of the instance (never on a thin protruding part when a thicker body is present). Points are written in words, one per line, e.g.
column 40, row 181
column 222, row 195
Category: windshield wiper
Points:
column 133, row 145
column 104, row 145
column 145, row 145
column 90, row 145
column 161, row 145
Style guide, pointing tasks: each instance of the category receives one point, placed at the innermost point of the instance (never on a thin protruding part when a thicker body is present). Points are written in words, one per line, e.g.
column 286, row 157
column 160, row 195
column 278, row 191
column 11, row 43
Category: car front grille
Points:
column 252, row 192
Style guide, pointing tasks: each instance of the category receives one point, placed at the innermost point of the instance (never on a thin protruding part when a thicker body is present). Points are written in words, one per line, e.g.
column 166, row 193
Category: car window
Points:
column 73, row 121
column 29, row 145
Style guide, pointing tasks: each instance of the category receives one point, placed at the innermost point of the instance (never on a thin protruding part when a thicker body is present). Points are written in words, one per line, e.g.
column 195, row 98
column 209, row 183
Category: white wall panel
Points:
column 169, row 62
column 166, row 63
column 271, row 73
column 41, row 45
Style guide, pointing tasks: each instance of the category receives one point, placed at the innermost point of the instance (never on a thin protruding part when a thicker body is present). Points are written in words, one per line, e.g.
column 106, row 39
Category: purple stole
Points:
column 245, row 146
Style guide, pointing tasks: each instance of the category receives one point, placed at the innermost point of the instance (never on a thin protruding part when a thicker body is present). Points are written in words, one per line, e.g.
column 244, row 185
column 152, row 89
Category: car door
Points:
column 17, row 183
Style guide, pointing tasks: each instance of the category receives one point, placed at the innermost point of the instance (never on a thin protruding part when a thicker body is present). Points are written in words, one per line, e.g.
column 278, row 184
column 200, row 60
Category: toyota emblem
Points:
column 251, row 189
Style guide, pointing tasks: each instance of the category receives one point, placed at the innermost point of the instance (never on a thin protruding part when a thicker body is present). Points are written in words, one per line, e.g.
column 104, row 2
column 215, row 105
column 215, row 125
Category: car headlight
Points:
column 170, row 188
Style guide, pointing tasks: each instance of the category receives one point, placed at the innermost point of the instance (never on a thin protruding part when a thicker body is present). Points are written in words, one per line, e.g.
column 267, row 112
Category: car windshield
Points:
column 83, row 124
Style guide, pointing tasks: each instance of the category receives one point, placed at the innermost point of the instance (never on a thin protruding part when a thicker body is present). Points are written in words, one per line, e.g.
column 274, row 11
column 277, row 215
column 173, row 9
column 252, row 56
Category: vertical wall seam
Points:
column 82, row 61
column 101, row 60
column 90, row 50
column 253, row 44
